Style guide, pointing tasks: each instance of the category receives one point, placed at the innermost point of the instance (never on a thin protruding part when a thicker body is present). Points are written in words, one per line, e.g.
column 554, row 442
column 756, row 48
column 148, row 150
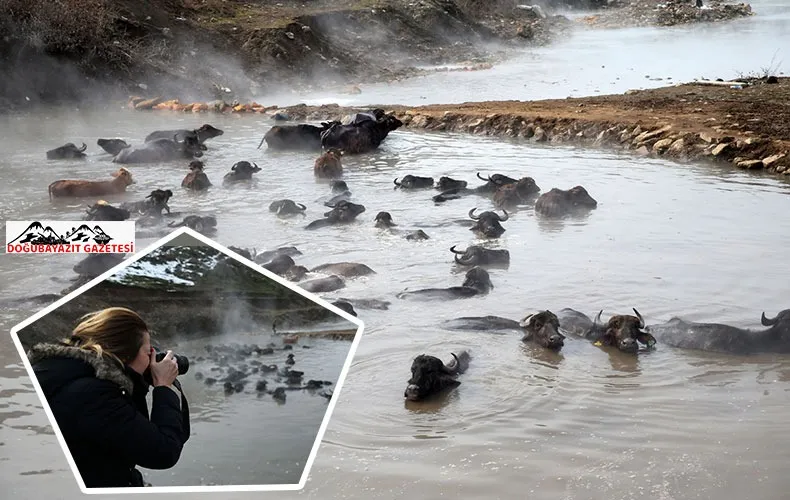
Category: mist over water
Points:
column 669, row 239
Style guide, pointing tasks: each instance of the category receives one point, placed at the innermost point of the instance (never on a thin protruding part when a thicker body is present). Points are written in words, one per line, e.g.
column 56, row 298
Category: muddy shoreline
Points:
column 745, row 123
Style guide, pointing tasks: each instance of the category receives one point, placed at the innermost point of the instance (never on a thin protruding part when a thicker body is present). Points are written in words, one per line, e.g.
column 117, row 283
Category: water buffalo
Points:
column 342, row 213
column 287, row 207
column 196, row 179
column 384, row 220
column 328, row 165
column 493, row 182
column 319, row 285
column 280, row 264
column 296, row 137
column 202, row 134
column 488, row 223
column 240, row 171
column 430, row 375
column 97, row 264
column 153, row 204
column 716, row 337
column 101, row 210
column 446, row 183
column 558, row 202
column 339, row 186
column 477, row 281
column 205, row 224
column 476, row 255
column 360, row 138
column 161, row 150
column 268, row 255
column 623, row 331
column 345, row 269
column 414, row 182
column 66, row 152
column 241, row 251
column 295, row 273
column 79, row 188
column 357, row 118
column 112, row 146
column 520, row 192
column 543, row 328
column 482, row 323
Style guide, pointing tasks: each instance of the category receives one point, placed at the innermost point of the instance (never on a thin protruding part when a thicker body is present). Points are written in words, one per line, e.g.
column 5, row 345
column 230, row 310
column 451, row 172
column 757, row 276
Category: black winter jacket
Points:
column 102, row 413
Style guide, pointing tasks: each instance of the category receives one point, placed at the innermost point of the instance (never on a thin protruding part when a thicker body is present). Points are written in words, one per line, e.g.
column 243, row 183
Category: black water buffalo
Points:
column 296, row 137
column 482, row 323
column 488, row 223
column 558, row 202
column 113, row 146
column 329, row 165
column 268, row 255
column 345, row 269
column 153, row 204
column 342, row 213
column 384, row 220
column 66, row 152
column 543, row 328
column 477, row 281
column 357, row 118
column 101, row 210
column 339, row 186
column 296, row 273
column 493, row 182
column 196, row 179
column 280, row 264
column 333, row 201
column 623, row 331
column 360, row 138
column 97, row 264
column 202, row 134
column 287, row 207
column 413, row 182
column 716, row 337
column 161, row 150
column 205, row 224
column 241, row 251
column 476, row 255
column 446, row 183
column 320, row 285
column 240, row 171
column 518, row 193
column 430, row 375
column 345, row 306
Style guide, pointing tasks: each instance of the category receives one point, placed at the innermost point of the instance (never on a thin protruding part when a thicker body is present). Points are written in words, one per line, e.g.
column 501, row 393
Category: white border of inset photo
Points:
column 192, row 489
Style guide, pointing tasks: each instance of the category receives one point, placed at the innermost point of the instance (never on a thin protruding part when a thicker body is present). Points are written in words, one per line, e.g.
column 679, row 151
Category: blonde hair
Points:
column 116, row 332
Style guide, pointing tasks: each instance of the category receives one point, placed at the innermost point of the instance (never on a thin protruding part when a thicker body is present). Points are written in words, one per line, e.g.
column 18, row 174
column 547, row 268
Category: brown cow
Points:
column 196, row 179
column 79, row 188
column 328, row 165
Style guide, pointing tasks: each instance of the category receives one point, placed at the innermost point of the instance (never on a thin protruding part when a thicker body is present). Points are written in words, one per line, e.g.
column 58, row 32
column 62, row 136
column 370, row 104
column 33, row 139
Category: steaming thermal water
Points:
column 595, row 61
column 694, row 241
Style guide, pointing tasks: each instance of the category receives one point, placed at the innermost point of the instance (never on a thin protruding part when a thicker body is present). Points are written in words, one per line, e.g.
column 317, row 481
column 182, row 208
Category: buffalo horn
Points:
column 471, row 214
column 261, row 143
column 483, row 178
column 301, row 207
column 768, row 322
column 396, row 182
column 84, row 147
column 597, row 320
column 525, row 322
column 452, row 249
column 641, row 319
column 506, row 216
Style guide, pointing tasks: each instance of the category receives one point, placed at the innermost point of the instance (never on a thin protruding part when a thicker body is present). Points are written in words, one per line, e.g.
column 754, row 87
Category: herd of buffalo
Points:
column 362, row 133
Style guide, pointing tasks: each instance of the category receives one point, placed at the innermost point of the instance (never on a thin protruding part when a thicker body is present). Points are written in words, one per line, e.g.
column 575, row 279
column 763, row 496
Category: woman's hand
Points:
column 165, row 372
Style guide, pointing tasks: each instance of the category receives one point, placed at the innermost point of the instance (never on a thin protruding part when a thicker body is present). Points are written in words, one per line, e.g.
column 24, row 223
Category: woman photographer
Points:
column 96, row 383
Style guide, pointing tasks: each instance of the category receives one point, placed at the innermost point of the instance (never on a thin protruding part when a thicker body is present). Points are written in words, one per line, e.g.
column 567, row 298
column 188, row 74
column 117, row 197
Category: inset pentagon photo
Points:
column 189, row 367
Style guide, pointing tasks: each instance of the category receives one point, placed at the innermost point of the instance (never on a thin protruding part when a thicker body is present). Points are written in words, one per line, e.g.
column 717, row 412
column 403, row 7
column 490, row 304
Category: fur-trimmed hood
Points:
column 105, row 368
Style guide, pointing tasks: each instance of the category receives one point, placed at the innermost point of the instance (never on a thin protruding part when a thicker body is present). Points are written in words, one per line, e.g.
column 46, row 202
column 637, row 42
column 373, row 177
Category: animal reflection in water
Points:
column 259, row 370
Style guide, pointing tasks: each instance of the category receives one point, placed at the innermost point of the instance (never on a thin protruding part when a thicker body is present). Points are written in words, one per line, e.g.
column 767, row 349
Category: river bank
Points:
column 743, row 123
column 239, row 50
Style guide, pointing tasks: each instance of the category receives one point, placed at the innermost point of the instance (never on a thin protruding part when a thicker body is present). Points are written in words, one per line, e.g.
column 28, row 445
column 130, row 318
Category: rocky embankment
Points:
column 744, row 123
column 666, row 13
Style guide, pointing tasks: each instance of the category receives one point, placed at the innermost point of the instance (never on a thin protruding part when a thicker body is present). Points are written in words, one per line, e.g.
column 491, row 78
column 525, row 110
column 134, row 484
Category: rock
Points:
column 419, row 121
column 706, row 137
column 770, row 160
column 644, row 136
column 661, row 145
column 719, row 149
column 540, row 135
column 642, row 150
column 677, row 147
column 750, row 164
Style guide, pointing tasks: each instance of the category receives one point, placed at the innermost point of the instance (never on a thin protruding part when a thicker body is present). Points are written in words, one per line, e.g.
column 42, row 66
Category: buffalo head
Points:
column 623, row 331
column 477, row 256
column 206, row 132
column 544, row 329
column 112, row 146
column 479, row 279
column 430, row 375
column 488, row 223
column 446, row 183
column 287, row 207
column 190, row 147
column 779, row 327
column 558, row 202
column 101, row 210
column 384, row 220
column 520, row 192
column 338, row 186
column 414, row 182
column 67, row 151
column 344, row 211
column 493, row 182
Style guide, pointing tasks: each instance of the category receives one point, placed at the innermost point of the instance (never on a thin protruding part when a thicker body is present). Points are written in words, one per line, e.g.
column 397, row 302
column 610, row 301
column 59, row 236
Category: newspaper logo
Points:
column 69, row 237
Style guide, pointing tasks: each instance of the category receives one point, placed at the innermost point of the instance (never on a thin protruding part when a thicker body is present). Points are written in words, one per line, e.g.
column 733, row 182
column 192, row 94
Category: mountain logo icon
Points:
column 37, row 234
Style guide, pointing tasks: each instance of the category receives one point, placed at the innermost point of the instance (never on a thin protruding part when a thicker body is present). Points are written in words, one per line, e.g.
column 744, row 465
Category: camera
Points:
column 181, row 360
